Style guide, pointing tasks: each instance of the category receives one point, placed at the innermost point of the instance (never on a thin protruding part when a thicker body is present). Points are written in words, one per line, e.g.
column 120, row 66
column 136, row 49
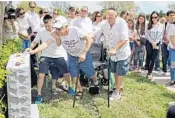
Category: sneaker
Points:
column 96, row 83
column 157, row 69
column 170, row 83
column 115, row 96
column 71, row 91
column 165, row 73
column 38, row 99
column 54, row 91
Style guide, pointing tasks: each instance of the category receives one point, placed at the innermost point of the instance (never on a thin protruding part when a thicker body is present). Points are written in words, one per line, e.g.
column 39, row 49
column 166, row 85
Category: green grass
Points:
column 140, row 99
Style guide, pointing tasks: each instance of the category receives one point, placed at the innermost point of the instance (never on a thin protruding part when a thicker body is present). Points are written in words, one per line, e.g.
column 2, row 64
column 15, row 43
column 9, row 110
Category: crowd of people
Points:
column 134, row 44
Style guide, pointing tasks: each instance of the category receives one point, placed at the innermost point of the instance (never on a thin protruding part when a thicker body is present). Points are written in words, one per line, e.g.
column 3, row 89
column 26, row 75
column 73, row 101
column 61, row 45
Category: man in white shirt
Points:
column 171, row 37
column 52, row 56
column 34, row 22
column 164, row 46
column 84, row 22
column 115, row 31
column 72, row 16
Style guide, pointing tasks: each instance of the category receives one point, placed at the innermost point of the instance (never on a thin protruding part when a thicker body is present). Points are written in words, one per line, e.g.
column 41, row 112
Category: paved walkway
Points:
column 159, row 78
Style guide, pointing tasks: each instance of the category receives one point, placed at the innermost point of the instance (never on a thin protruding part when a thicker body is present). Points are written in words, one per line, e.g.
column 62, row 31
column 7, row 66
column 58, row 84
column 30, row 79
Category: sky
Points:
column 145, row 6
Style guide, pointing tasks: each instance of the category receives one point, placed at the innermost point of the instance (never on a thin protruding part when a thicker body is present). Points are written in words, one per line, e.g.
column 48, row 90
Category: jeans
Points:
column 25, row 43
column 165, row 55
column 151, row 57
column 172, row 61
column 138, row 56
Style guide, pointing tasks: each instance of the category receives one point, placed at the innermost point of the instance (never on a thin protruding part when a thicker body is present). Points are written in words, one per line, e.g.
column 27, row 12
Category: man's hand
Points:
column 112, row 52
column 30, row 51
column 82, row 57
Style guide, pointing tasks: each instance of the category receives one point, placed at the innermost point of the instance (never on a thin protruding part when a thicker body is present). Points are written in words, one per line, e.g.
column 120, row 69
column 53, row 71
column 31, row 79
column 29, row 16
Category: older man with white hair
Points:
column 115, row 31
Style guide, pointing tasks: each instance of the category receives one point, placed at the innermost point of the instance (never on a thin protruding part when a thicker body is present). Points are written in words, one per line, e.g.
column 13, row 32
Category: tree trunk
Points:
column 2, row 6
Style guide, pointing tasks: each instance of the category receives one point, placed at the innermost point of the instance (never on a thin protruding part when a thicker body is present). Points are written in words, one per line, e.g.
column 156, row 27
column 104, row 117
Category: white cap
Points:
column 60, row 21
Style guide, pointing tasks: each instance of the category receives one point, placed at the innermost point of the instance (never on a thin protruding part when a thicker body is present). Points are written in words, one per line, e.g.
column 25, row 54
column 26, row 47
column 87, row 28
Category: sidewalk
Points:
column 159, row 78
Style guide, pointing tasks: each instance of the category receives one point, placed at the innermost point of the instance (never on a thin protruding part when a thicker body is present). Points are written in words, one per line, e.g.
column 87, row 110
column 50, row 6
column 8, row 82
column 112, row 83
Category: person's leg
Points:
column 135, row 59
column 141, row 56
column 157, row 62
column 43, row 69
column 149, row 55
column 120, row 69
column 172, row 60
column 88, row 69
column 165, row 55
column 153, row 58
column 24, row 44
column 74, row 69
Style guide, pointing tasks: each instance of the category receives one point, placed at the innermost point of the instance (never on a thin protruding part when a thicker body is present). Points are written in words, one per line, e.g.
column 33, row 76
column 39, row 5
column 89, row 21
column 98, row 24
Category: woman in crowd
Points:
column 154, row 35
column 23, row 25
column 132, row 37
column 139, row 47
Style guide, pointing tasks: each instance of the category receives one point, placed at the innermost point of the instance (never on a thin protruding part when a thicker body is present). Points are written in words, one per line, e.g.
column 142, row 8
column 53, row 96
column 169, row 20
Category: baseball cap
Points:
column 60, row 22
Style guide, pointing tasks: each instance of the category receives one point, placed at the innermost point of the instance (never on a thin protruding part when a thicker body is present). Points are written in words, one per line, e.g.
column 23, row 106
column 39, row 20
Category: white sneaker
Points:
column 165, row 74
column 115, row 96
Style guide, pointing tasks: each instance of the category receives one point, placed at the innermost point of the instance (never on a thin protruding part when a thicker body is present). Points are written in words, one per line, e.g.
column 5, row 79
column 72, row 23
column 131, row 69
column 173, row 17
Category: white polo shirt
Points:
column 85, row 24
column 171, row 32
column 73, row 43
column 34, row 21
column 53, row 50
column 114, row 35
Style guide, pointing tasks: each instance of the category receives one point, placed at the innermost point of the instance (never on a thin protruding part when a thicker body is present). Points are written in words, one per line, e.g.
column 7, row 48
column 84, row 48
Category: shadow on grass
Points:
column 169, row 95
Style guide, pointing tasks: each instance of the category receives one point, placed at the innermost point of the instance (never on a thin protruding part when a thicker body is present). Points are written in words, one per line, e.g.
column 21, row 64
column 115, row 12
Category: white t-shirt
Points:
column 118, row 32
column 23, row 25
column 171, row 32
column 131, row 33
column 34, row 21
column 73, row 43
column 95, row 28
column 70, row 21
column 53, row 50
column 85, row 24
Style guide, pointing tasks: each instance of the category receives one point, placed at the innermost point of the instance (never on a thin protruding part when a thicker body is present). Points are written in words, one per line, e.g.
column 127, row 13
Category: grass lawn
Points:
column 140, row 99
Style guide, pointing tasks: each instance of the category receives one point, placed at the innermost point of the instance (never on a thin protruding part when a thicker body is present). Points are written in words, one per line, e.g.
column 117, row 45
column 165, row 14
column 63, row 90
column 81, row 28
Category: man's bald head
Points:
column 111, row 15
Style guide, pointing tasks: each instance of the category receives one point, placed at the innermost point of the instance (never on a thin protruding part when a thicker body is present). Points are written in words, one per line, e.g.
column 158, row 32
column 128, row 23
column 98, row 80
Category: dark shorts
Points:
column 57, row 66
column 120, row 67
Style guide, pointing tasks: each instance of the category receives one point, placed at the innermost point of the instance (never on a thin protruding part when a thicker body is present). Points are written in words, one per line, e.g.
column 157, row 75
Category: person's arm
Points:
column 41, row 47
column 172, row 36
column 89, row 41
column 57, row 38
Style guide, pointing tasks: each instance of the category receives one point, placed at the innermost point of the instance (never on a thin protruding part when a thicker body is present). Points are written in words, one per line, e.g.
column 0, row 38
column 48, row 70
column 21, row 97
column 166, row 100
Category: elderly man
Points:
column 115, row 31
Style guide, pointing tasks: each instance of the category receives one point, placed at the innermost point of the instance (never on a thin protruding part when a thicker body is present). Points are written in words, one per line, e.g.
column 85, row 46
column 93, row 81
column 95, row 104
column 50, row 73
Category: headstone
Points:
column 19, row 86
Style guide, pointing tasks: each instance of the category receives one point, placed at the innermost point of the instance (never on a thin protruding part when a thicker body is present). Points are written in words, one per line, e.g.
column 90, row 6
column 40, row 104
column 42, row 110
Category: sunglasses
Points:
column 154, row 17
column 98, row 16
column 22, row 13
column 32, row 6
column 83, row 11
column 45, row 12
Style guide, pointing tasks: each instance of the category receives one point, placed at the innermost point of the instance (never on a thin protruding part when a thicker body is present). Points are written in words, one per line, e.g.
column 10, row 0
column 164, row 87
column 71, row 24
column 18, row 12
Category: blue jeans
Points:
column 172, row 61
column 86, row 66
column 25, row 43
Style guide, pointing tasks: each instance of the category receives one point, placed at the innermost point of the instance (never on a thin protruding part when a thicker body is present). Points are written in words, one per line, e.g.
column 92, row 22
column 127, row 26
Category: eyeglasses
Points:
column 22, row 13
column 154, row 17
column 83, row 11
column 98, row 16
column 32, row 6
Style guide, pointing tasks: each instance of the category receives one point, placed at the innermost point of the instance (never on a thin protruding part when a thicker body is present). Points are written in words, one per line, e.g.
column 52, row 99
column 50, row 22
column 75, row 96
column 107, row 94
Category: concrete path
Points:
column 159, row 78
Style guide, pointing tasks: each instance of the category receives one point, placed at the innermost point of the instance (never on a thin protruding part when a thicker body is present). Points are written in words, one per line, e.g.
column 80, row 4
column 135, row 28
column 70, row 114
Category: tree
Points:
column 60, row 5
column 25, row 6
column 120, row 5
column 171, row 6
column 2, row 8
column 161, row 14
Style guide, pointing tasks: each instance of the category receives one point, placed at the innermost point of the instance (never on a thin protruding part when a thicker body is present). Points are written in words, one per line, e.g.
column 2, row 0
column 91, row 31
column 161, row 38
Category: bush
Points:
column 12, row 46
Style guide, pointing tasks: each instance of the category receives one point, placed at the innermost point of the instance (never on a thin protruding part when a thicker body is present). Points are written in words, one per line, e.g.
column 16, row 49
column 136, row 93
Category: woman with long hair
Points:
column 154, row 35
column 139, row 47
